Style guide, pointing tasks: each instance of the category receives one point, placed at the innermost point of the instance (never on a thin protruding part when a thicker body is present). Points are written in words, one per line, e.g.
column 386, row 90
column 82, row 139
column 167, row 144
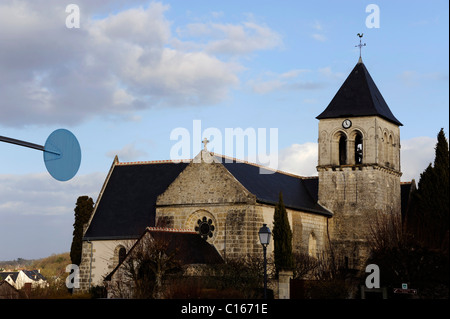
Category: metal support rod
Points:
column 265, row 271
column 26, row 144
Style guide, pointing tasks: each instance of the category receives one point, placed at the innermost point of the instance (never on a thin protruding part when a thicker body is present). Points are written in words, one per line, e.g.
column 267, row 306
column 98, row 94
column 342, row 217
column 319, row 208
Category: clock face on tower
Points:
column 346, row 123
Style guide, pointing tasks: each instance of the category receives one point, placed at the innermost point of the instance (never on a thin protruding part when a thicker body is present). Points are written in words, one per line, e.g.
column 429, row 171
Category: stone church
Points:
column 225, row 202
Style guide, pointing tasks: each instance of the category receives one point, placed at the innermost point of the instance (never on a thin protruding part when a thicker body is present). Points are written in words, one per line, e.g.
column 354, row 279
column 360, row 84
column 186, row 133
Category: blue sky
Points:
column 136, row 70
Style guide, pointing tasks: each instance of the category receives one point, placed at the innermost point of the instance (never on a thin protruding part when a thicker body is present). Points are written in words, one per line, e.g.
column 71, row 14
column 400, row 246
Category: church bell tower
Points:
column 359, row 164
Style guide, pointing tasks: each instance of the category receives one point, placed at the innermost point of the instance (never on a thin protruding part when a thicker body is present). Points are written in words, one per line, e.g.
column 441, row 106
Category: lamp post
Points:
column 264, row 237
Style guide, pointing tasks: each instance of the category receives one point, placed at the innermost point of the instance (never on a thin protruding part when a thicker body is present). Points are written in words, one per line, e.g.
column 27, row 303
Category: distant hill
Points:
column 54, row 265
column 19, row 263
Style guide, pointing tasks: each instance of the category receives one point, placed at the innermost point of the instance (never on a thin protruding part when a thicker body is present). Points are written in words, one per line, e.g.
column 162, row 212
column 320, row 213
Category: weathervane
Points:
column 360, row 45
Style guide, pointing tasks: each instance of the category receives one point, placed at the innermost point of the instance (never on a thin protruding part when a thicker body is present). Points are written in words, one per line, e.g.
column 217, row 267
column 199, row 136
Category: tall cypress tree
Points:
column 83, row 211
column 430, row 219
column 441, row 168
column 282, row 237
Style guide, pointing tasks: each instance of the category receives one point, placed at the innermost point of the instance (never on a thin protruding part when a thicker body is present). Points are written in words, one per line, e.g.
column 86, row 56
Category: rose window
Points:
column 205, row 228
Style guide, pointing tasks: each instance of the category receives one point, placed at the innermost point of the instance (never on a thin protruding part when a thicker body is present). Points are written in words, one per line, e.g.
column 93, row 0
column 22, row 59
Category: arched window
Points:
column 391, row 151
column 358, row 149
column 342, row 150
column 385, row 149
column 122, row 254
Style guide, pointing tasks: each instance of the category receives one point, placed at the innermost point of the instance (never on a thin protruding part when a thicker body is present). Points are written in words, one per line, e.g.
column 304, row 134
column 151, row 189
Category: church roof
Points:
column 190, row 247
column 127, row 205
column 298, row 193
column 128, row 201
column 358, row 96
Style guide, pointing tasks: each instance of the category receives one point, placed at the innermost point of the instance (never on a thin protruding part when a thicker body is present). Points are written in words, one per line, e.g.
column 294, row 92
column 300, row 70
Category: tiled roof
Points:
column 32, row 274
column 298, row 193
column 187, row 246
column 128, row 203
column 12, row 274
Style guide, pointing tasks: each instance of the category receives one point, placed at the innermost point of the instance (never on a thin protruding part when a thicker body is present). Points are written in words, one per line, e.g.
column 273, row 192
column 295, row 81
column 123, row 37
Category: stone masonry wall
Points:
column 207, row 189
column 357, row 192
column 104, row 260
column 357, row 197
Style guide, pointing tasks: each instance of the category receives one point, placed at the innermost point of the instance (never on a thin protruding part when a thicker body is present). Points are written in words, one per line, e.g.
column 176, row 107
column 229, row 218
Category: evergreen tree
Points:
column 83, row 211
column 441, row 168
column 282, row 237
column 430, row 215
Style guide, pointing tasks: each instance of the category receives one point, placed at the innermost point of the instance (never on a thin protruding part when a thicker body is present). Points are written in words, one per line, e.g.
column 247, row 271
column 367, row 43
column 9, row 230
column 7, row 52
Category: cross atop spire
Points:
column 360, row 45
column 205, row 141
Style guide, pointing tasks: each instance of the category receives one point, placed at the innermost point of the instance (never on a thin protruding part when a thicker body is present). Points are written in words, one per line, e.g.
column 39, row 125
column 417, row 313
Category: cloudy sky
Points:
column 136, row 71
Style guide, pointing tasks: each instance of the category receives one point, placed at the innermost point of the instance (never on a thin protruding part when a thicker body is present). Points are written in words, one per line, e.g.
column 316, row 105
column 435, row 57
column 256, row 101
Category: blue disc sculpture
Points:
column 62, row 153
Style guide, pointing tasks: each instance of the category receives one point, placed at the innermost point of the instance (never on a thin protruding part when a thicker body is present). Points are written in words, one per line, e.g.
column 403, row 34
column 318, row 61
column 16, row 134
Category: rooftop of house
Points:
column 32, row 274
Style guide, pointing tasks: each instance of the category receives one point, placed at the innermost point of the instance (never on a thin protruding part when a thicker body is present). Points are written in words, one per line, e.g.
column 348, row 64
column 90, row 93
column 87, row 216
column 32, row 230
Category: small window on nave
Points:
column 122, row 254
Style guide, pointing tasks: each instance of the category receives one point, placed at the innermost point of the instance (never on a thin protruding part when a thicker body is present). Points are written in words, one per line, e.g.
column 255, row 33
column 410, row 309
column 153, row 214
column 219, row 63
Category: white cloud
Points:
column 292, row 73
column 409, row 78
column 299, row 159
column 317, row 25
column 39, row 194
column 37, row 212
column 128, row 153
column 244, row 39
column 289, row 80
column 328, row 73
column 264, row 87
column 319, row 34
column 145, row 27
column 319, row 37
column 230, row 39
column 412, row 78
column 114, row 64
column 416, row 154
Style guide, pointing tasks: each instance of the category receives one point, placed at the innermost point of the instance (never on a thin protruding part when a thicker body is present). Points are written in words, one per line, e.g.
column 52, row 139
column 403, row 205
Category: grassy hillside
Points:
column 52, row 266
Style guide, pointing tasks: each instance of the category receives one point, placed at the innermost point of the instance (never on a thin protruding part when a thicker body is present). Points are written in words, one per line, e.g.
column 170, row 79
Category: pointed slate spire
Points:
column 358, row 96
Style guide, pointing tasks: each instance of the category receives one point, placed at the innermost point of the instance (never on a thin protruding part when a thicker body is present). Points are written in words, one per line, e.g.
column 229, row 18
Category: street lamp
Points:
column 264, row 237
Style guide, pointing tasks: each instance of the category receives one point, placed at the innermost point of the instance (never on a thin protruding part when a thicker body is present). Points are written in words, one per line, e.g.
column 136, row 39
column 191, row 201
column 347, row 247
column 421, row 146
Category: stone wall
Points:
column 207, row 190
column 357, row 197
column 355, row 192
column 381, row 141
column 104, row 259
column 309, row 231
column 207, row 196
